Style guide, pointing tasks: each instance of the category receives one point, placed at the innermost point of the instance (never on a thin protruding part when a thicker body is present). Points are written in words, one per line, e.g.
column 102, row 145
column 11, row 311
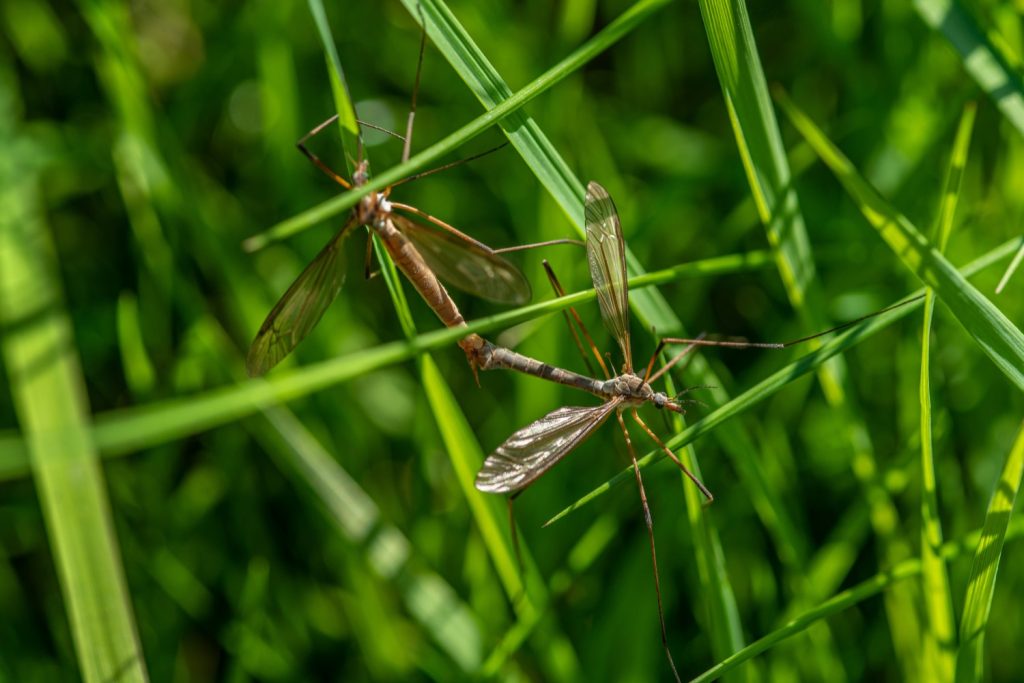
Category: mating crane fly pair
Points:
column 425, row 254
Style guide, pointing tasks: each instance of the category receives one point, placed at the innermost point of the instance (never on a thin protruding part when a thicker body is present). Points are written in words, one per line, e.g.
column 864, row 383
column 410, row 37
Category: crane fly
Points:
column 424, row 254
column 534, row 449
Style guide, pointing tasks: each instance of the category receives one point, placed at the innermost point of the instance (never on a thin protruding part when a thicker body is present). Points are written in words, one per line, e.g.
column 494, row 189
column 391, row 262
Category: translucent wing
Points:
column 468, row 265
column 300, row 309
column 535, row 448
column 606, row 253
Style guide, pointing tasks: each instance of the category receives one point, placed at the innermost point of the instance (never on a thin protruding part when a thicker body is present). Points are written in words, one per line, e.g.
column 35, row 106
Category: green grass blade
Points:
column 50, row 398
column 1010, row 270
column 938, row 648
column 999, row 338
column 339, row 86
column 356, row 517
column 140, row 427
column 982, row 583
column 762, row 390
column 986, row 64
column 842, row 601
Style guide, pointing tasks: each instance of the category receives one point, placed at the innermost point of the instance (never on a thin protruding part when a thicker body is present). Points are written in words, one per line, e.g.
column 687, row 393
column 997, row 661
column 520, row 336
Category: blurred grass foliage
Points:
column 338, row 537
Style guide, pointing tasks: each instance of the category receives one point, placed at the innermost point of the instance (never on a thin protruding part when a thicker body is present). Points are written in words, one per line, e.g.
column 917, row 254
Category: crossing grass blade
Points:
column 339, row 86
column 762, row 390
column 982, row 583
column 997, row 336
column 844, row 600
column 46, row 383
column 123, row 431
column 938, row 653
column 993, row 70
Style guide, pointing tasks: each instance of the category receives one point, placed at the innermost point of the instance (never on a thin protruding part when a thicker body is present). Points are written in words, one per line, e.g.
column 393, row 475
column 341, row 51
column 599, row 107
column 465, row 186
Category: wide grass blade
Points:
column 997, row 336
column 49, row 392
column 940, row 632
column 982, row 59
column 844, row 600
column 807, row 363
column 982, row 584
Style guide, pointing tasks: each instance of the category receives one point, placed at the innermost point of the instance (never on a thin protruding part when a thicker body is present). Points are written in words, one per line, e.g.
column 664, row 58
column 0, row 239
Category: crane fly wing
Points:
column 300, row 309
column 469, row 265
column 606, row 254
column 535, row 448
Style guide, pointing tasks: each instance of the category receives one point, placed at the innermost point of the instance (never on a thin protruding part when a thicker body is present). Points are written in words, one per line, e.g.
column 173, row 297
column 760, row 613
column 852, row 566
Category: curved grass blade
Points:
column 842, row 601
column 123, row 431
column 997, row 336
column 543, row 160
column 762, row 390
column 938, row 656
column 49, row 393
column 982, row 584
column 983, row 60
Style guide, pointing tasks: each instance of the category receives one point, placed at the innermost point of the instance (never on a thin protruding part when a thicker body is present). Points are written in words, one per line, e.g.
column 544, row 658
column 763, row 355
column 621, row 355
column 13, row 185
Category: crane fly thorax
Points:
column 631, row 387
column 373, row 210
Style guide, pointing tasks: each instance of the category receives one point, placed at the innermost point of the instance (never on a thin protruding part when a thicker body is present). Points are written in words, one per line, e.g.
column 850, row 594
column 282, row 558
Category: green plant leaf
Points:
column 50, row 398
column 981, row 585
column 940, row 631
column 765, row 388
column 999, row 338
column 982, row 58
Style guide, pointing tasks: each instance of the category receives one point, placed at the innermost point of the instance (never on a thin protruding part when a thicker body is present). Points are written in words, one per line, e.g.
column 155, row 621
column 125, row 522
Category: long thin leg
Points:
column 461, row 235
column 650, row 534
column 559, row 291
column 445, row 167
column 367, row 272
column 668, row 451
column 654, row 356
column 301, row 144
column 515, row 537
column 407, row 146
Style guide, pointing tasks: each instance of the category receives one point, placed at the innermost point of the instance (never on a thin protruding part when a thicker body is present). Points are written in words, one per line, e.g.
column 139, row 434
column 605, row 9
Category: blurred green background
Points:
column 332, row 540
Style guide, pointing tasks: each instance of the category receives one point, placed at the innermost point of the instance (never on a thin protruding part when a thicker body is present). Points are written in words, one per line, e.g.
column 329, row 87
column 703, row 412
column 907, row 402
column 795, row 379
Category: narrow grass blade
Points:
column 983, row 60
column 356, row 517
column 938, row 648
column 1010, row 270
column 724, row 626
column 781, row 378
column 131, row 429
column 982, row 584
column 841, row 601
column 999, row 338
column 339, row 86
column 50, row 399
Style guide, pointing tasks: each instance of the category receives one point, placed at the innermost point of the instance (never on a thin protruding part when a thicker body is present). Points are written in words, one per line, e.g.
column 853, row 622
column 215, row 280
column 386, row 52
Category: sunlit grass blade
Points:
column 1010, row 270
column 982, row 583
column 982, row 59
column 997, row 336
column 844, row 600
column 940, row 628
column 761, row 150
column 339, row 86
column 141, row 427
column 724, row 625
column 356, row 517
column 48, row 389
column 762, row 390
column 541, row 157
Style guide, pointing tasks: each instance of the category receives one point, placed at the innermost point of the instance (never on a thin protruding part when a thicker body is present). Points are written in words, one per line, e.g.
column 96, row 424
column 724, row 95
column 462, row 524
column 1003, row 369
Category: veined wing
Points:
column 300, row 309
column 469, row 265
column 535, row 448
column 606, row 253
